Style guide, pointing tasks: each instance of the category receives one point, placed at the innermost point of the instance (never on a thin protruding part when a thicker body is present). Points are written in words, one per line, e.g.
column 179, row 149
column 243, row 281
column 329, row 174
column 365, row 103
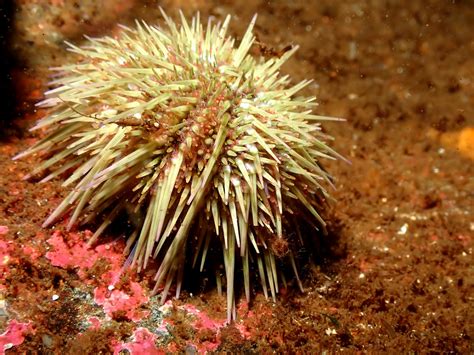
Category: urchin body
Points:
column 210, row 143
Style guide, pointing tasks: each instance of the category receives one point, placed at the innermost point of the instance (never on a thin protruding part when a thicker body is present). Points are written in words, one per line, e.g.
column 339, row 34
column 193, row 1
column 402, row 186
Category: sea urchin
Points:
column 207, row 142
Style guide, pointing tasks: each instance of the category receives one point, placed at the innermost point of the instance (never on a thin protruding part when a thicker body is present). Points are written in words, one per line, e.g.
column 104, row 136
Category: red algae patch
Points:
column 95, row 323
column 143, row 342
column 119, row 302
column 204, row 332
column 73, row 252
column 6, row 247
column 203, row 321
column 14, row 335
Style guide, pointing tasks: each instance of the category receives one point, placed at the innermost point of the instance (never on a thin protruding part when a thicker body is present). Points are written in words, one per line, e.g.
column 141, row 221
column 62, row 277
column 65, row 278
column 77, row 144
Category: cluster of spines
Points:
column 203, row 138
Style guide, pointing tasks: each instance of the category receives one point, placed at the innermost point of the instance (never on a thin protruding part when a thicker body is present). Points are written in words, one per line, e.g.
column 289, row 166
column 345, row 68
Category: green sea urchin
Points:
column 207, row 141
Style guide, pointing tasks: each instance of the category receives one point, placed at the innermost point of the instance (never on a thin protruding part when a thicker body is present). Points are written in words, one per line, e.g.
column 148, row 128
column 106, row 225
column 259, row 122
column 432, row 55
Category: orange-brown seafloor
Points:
column 395, row 271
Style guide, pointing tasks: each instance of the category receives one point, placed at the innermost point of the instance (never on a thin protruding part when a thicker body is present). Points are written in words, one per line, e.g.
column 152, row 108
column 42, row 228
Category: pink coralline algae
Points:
column 8, row 254
column 72, row 251
column 143, row 342
column 33, row 253
column 202, row 322
column 14, row 335
column 95, row 323
column 118, row 301
column 6, row 247
column 5, row 250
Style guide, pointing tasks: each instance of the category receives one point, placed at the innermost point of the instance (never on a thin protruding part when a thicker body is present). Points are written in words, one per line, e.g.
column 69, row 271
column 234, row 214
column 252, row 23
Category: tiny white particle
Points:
column 403, row 230
column 441, row 151
column 330, row 331
column 55, row 297
column 361, row 275
column 110, row 287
